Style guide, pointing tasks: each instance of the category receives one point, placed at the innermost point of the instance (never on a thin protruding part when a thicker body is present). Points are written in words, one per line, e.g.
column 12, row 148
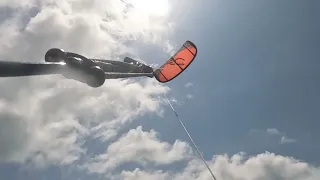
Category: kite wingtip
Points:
column 191, row 43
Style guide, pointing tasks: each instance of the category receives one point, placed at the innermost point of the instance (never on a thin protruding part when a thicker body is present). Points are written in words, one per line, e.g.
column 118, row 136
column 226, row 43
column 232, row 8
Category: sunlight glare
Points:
column 151, row 7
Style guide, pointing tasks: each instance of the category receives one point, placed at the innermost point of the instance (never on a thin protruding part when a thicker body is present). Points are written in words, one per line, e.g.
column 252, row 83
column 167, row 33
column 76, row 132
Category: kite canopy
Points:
column 177, row 63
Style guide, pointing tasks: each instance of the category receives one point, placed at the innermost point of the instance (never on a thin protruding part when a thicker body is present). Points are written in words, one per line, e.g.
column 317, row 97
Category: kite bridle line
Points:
column 193, row 143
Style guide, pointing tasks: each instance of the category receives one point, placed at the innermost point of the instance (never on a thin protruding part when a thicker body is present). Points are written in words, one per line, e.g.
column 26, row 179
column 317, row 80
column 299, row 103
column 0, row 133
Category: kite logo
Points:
column 181, row 61
column 173, row 61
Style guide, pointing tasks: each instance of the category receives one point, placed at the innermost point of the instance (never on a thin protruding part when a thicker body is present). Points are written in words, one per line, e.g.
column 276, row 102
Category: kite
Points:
column 94, row 72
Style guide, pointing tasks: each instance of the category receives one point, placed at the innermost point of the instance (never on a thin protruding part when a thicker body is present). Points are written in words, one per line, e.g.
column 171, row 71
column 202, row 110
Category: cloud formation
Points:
column 46, row 120
column 188, row 85
column 280, row 137
column 140, row 147
column 265, row 166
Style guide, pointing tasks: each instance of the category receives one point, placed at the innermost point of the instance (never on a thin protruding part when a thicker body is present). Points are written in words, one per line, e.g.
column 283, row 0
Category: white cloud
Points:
column 286, row 140
column 266, row 166
column 272, row 131
column 189, row 96
column 140, row 147
column 158, row 7
column 45, row 120
column 143, row 175
column 79, row 26
column 49, row 124
column 282, row 138
column 188, row 85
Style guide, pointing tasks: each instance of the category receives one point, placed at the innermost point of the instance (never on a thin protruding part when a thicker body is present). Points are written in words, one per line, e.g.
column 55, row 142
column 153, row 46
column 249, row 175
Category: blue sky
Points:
column 257, row 68
column 254, row 82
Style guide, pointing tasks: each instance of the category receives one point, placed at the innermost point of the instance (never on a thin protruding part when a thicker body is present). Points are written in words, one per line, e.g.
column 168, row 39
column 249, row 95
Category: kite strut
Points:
column 194, row 144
